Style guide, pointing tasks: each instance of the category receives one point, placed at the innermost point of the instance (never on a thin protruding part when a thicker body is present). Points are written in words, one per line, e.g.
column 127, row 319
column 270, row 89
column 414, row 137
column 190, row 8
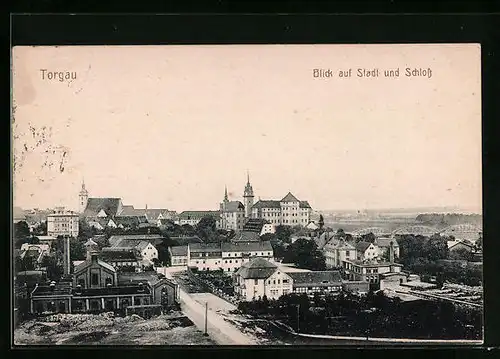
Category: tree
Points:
column 436, row 248
column 462, row 254
column 33, row 240
column 284, row 233
column 369, row 237
column 84, row 230
column 268, row 237
column 21, row 230
column 206, row 229
column 304, row 253
column 321, row 222
column 41, row 229
column 54, row 269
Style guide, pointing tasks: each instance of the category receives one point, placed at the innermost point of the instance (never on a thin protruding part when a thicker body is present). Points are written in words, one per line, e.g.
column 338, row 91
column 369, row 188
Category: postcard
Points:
column 247, row 195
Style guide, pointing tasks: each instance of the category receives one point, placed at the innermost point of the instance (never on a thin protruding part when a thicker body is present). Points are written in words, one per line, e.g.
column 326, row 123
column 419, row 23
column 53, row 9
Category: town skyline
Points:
column 171, row 126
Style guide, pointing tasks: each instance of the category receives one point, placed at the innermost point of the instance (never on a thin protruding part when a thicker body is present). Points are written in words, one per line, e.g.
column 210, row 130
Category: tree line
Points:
column 374, row 315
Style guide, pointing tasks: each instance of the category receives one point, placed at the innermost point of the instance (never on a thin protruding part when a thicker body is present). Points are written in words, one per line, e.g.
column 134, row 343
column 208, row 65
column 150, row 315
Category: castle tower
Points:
column 248, row 197
column 83, row 196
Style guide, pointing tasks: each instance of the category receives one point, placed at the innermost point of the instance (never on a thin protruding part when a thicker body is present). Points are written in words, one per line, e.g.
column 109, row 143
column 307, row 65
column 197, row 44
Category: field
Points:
column 105, row 329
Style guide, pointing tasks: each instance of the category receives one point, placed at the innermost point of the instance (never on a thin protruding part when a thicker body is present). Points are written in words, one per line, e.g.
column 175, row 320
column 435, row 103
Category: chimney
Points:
column 391, row 252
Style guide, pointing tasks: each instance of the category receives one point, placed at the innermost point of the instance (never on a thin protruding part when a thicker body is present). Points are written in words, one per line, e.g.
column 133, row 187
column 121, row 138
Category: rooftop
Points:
column 315, row 278
column 179, row 250
column 257, row 268
column 114, row 256
column 362, row 246
column 109, row 205
column 247, row 236
column 120, row 290
column 370, row 264
column 196, row 215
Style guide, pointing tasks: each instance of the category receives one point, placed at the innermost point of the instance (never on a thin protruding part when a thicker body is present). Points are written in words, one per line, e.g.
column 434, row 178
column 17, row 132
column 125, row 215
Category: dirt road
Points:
column 218, row 329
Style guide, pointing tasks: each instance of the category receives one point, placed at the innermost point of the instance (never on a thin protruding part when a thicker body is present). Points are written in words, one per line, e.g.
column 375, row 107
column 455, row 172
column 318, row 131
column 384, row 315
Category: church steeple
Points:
column 226, row 199
column 83, row 197
column 248, row 197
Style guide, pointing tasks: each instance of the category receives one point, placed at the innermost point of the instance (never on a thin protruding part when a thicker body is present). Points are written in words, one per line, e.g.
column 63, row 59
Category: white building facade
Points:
column 62, row 223
column 289, row 211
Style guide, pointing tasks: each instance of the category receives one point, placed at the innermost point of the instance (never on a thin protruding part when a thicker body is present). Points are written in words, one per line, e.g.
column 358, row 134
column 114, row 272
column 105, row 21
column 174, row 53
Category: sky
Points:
column 171, row 126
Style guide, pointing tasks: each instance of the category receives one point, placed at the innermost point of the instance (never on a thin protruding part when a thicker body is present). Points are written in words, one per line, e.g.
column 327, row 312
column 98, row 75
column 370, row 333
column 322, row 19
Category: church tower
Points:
column 83, row 196
column 248, row 197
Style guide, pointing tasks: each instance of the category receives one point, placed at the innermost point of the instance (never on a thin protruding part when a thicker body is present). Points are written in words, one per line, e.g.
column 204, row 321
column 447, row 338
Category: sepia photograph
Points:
column 253, row 195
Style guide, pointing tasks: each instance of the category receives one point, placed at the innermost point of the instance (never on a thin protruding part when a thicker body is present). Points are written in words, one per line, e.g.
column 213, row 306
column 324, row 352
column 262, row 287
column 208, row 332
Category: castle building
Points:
column 289, row 211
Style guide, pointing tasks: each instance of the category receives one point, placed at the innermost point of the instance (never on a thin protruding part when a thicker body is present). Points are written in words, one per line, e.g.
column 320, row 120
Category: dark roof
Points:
column 88, row 262
column 304, row 204
column 362, row 246
column 185, row 240
column 109, row 205
column 198, row 214
column 290, row 198
column 254, row 225
column 204, row 247
column 128, row 221
column 234, row 206
column 386, row 242
column 122, row 244
column 257, row 268
column 315, row 278
column 121, row 290
column 130, row 211
column 251, row 246
column 114, row 256
column 267, row 204
column 166, row 222
column 58, row 289
column 247, row 236
column 179, row 250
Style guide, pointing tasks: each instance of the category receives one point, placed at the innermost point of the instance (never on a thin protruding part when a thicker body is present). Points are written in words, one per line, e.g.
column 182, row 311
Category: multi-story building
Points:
column 227, row 256
column 337, row 251
column 369, row 270
column 366, row 251
column 258, row 278
column 62, row 223
column 232, row 213
column 289, row 211
column 316, row 282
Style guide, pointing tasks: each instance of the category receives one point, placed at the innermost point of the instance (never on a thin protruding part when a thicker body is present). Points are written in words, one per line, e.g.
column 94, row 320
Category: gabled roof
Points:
column 121, row 290
column 90, row 242
column 257, row 268
column 362, row 246
column 315, row 278
column 109, row 205
column 151, row 278
column 130, row 211
column 185, row 240
column 290, row 198
column 135, row 237
column 204, row 247
column 452, row 244
column 129, row 221
column 234, row 206
column 88, row 262
column 129, row 244
column 267, row 204
column 58, row 289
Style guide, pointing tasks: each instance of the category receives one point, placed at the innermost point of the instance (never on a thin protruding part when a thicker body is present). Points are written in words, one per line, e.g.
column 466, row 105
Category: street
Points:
column 218, row 329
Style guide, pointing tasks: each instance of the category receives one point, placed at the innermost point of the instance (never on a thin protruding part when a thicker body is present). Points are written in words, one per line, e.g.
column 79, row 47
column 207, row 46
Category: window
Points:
column 81, row 282
column 256, row 281
column 285, row 281
column 95, row 279
column 274, row 281
column 279, row 281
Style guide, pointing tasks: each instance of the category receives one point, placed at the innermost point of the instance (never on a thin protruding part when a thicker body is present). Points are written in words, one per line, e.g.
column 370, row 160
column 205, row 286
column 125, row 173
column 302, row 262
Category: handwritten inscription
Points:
column 60, row 76
column 373, row 73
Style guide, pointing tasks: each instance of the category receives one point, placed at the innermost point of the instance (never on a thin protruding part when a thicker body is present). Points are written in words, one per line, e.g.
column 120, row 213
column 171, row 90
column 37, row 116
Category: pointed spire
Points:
column 248, row 177
column 225, row 194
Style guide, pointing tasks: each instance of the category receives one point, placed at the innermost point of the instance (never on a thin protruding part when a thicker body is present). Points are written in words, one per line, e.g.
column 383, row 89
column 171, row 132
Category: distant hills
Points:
column 402, row 211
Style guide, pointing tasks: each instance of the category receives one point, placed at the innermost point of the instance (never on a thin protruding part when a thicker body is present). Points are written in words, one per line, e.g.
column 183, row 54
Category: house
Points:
column 369, row 270
column 323, row 239
column 97, row 287
column 366, row 250
column 258, row 278
column 63, row 223
column 460, row 245
column 34, row 251
column 96, row 223
column 178, row 255
column 127, row 222
column 383, row 245
column 227, row 256
column 337, row 251
column 144, row 249
column 193, row 217
column 316, row 282
column 260, row 226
